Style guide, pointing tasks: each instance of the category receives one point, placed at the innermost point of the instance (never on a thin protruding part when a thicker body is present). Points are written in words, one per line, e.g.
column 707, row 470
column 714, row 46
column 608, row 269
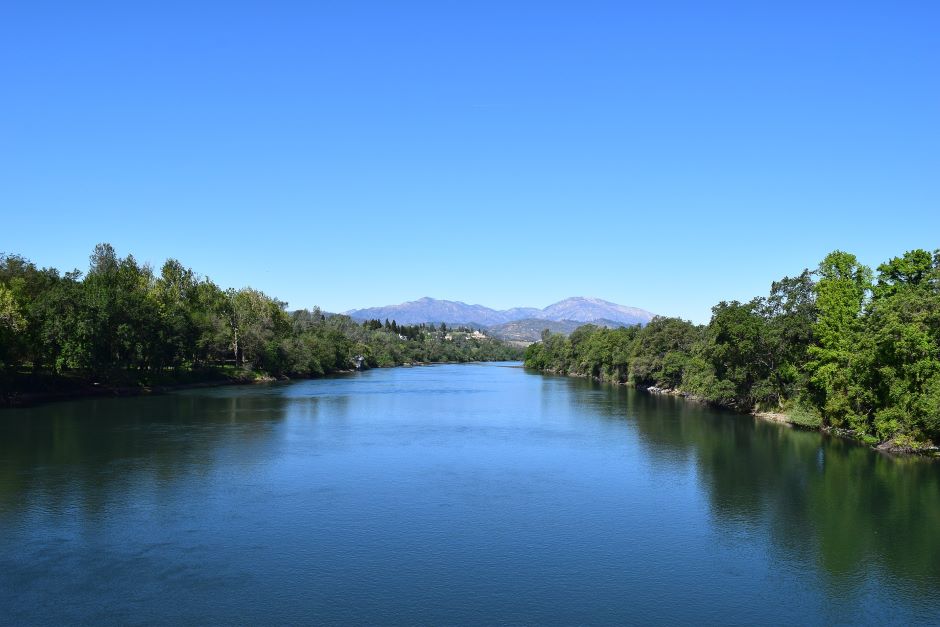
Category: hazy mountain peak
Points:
column 576, row 308
column 586, row 309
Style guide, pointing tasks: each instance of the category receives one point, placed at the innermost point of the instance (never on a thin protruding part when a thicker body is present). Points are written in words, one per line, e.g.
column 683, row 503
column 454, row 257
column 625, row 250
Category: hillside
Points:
column 530, row 330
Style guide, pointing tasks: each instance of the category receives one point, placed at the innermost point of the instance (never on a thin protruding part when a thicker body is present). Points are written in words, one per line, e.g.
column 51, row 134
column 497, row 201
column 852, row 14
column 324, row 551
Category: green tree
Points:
column 11, row 323
column 841, row 355
column 904, row 324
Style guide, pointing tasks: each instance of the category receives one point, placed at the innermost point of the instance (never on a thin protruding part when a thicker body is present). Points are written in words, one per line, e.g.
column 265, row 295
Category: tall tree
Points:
column 904, row 324
column 841, row 355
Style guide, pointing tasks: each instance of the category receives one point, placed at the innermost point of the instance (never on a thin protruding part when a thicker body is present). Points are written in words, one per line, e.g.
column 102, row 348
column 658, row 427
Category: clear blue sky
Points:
column 666, row 155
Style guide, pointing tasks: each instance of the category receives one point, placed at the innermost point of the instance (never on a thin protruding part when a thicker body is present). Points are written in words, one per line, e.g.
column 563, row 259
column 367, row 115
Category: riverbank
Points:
column 29, row 389
column 900, row 446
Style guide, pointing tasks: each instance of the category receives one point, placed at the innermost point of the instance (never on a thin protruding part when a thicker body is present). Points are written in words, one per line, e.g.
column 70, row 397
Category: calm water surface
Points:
column 452, row 494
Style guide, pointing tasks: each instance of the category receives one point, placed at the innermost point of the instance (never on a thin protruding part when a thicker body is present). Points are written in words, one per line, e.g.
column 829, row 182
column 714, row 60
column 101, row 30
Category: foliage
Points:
column 837, row 347
column 122, row 321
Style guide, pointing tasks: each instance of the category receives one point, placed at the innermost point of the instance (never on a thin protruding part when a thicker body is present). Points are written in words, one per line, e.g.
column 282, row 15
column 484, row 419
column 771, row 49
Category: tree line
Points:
column 840, row 346
column 121, row 321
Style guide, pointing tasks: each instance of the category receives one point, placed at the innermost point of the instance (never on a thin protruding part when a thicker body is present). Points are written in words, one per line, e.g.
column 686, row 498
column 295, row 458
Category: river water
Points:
column 455, row 494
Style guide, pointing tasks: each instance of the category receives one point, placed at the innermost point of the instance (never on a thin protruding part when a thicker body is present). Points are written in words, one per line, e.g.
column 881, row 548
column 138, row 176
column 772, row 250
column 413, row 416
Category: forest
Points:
column 840, row 347
column 121, row 323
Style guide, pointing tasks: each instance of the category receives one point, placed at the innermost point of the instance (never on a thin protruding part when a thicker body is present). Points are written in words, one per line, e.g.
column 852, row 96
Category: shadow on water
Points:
column 96, row 448
column 821, row 498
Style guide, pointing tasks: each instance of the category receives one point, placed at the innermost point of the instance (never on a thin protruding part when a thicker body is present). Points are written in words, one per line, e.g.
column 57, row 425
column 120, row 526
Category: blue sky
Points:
column 664, row 155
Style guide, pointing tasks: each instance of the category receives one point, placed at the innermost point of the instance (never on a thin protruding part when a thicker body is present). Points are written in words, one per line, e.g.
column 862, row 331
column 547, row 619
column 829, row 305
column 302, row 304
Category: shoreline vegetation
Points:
column 121, row 329
column 840, row 349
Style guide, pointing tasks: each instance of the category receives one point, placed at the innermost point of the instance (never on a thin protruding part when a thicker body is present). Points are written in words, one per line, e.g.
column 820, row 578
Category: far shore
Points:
column 68, row 388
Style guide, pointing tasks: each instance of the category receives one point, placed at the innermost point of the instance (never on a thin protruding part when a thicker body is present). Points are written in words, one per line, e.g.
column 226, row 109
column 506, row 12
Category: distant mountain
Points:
column 583, row 309
column 430, row 310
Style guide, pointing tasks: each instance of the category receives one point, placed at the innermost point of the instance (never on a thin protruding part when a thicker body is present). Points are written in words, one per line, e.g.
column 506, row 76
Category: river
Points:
column 452, row 494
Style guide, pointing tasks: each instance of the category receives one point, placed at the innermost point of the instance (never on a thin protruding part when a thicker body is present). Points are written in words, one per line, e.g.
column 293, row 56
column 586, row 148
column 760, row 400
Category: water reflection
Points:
column 100, row 449
column 820, row 498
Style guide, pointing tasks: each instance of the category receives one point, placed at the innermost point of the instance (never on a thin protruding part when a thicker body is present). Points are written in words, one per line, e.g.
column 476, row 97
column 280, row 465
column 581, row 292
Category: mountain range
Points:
column 570, row 311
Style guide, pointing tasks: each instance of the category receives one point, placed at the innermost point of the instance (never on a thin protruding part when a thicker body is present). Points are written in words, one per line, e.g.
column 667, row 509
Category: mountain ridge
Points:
column 574, row 309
